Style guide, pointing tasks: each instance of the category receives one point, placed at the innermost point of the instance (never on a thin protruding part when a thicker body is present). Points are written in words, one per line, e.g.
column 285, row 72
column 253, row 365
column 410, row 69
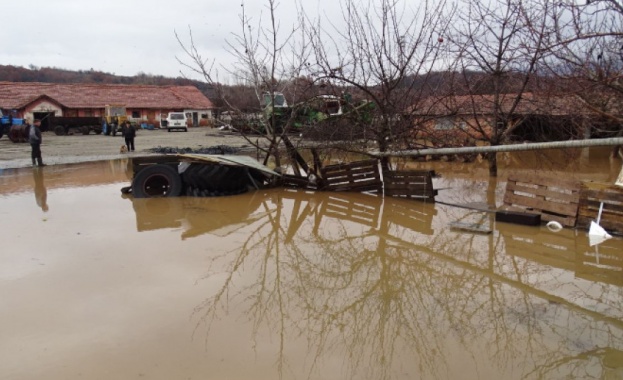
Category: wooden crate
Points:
column 355, row 176
column 591, row 196
column 416, row 184
column 554, row 199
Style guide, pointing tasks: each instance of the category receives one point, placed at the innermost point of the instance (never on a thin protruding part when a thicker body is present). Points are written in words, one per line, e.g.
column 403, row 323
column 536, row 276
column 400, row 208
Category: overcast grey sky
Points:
column 126, row 37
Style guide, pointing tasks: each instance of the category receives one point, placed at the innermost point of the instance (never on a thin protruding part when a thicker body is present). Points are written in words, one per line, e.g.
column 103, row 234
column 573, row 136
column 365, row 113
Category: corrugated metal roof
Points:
column 230, row 160
column 15, row 95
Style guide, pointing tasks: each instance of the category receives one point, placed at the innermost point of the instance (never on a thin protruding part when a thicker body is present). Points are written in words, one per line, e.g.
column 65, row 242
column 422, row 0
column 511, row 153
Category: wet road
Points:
column 295, row 285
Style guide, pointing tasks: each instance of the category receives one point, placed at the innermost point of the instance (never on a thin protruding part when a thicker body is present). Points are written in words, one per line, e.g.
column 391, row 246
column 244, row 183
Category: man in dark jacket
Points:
column 129, row 132
column 34, row 138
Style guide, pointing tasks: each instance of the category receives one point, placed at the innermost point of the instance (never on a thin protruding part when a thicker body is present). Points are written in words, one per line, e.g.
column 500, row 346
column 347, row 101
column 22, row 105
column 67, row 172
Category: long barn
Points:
column 144, row 104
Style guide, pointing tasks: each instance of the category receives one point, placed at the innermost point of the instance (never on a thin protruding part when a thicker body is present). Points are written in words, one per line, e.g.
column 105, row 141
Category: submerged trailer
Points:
column 199, row 175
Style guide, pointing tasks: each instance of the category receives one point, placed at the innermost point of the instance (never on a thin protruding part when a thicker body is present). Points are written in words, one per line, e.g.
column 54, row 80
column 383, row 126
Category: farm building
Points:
column 534, row 117
column 144, row 104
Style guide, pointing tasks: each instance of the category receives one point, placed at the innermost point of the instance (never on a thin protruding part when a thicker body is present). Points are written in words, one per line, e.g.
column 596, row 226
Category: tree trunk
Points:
column 493, row 164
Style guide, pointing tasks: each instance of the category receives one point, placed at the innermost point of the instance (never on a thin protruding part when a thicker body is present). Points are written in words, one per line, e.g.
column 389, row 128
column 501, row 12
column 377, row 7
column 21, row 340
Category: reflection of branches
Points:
column 382, row 296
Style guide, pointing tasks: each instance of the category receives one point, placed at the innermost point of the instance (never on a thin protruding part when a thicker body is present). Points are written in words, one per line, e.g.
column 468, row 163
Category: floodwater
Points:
column 283, row 284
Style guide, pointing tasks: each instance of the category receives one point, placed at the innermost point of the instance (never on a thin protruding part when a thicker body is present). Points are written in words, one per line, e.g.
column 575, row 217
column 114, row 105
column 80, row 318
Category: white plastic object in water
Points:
column 554, row 226
column 596, row 233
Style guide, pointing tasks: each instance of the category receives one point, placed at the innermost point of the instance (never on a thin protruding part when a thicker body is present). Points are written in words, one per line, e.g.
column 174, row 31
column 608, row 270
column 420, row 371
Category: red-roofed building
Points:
column 144, row 104
column 535, row 117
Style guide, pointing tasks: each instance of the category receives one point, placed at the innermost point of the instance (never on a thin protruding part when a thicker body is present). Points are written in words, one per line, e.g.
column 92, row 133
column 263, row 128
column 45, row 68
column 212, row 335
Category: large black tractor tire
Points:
column 157, row 181
column 214, row 180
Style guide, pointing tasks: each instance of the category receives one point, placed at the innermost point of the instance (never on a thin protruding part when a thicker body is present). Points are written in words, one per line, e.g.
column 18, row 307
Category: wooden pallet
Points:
column 355, row 176
column 554, row 199
column 591, row 196
column 416, row 184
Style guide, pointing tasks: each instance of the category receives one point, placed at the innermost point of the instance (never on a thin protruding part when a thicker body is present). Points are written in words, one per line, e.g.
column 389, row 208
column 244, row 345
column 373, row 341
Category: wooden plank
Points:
column 347, row 171
column 351, row 179
column 591, row 206
column 566, row 209
column 545, row 192
column 612, row 195
column 552, row 182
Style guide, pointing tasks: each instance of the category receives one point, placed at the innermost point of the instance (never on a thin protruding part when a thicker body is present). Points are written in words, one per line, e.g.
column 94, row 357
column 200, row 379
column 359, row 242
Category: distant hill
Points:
column 54, row 75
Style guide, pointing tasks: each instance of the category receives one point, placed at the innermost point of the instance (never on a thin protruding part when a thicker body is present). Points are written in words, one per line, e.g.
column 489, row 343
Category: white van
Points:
column 177, row 120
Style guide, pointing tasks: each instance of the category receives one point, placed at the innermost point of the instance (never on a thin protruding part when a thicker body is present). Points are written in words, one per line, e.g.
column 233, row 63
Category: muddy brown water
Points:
column 299, row 285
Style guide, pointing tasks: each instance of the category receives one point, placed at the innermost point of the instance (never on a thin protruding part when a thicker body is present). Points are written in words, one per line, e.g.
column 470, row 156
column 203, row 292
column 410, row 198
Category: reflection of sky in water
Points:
column 321, row 286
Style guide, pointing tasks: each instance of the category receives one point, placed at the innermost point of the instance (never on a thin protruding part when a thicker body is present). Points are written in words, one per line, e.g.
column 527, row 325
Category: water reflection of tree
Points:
column 386, row 296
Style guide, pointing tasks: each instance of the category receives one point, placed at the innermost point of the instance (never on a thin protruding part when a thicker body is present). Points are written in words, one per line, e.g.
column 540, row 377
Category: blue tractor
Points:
column 6, row 122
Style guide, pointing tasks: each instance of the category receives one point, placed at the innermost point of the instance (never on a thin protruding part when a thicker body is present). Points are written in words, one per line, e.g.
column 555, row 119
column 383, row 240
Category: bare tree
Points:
column 382, row 48
column 266, row 58
column 586, row 59
column 503, row 40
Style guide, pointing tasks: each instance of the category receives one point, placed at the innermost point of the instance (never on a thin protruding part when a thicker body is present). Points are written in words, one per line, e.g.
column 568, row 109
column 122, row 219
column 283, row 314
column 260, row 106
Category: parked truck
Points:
column 65, row 125
column 114, row 116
